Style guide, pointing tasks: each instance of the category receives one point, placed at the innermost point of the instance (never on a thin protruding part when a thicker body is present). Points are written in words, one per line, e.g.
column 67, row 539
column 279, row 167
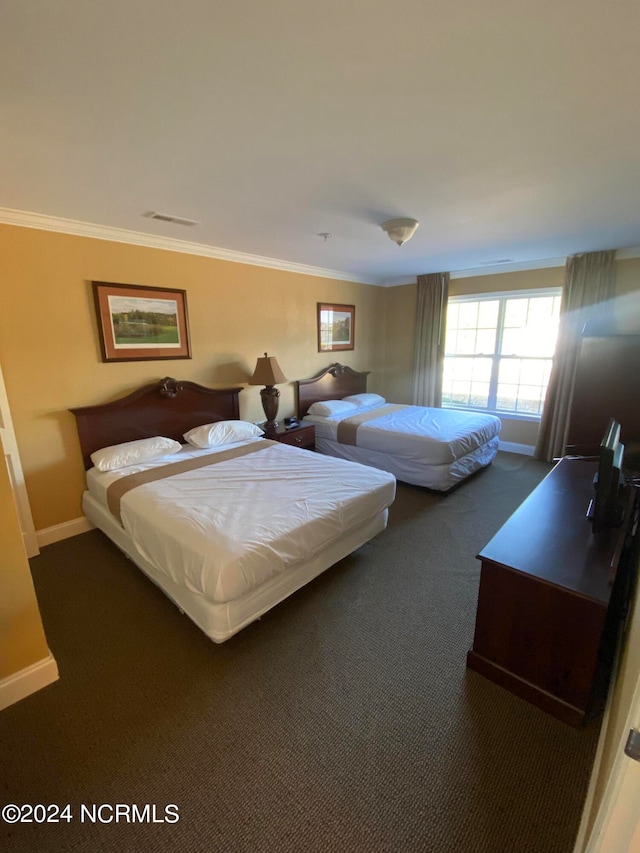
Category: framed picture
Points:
column 141, row 323
column 336, row 327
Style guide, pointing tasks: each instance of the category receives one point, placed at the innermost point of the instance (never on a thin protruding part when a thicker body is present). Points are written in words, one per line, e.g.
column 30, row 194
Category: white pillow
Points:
column 132, row 452
column 330, row 407
column 222, row 432
column 362, row 400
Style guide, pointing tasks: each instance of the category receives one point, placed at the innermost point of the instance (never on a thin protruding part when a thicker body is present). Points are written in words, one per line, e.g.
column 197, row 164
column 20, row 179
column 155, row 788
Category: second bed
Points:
column 431, row 447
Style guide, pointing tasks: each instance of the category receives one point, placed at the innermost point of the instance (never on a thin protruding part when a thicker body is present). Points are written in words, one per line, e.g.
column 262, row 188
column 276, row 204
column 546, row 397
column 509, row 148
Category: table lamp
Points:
column 268, row 373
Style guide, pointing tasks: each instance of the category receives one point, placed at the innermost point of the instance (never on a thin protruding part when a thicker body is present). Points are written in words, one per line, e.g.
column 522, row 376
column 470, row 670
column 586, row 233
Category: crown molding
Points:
column 74, row 227
column 26, row 219
column 517, row 266
column 473, row 272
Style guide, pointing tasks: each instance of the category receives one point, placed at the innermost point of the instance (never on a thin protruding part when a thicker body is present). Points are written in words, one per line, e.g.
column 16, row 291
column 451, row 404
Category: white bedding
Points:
column 223, row 530
column 416, row 433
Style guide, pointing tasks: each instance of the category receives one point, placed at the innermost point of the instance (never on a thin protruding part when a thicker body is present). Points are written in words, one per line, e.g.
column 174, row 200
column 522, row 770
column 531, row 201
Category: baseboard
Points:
column 49, row 535
column 27, row 681
column 513, row 447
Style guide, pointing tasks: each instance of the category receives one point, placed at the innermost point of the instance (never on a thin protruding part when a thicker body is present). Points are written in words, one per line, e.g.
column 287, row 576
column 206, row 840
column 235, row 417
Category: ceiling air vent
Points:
column 167, row 217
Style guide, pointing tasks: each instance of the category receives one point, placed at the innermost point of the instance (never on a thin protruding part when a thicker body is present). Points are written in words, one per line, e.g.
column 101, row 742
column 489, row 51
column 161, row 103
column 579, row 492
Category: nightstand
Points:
column 303, row 435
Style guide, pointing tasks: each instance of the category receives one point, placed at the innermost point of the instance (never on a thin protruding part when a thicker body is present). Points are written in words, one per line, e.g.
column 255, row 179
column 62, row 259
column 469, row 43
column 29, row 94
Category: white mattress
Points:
column 221, row 531
column 429, row 436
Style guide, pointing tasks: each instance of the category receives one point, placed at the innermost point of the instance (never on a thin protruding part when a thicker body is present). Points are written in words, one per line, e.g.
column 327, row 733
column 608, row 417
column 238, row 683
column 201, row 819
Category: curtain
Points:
column 428, row 347
column 588, row 285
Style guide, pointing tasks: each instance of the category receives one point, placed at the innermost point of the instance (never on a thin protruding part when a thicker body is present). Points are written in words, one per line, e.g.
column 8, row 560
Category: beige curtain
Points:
column 428, row 347
column 589, row 282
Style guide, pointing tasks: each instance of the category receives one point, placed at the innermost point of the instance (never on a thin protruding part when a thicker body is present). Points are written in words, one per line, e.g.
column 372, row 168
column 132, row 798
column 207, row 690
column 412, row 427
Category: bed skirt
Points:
column 442, row 478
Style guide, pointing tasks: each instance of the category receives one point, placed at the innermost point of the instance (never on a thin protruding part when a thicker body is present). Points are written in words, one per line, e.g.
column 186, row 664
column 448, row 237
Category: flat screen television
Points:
column 605, row 510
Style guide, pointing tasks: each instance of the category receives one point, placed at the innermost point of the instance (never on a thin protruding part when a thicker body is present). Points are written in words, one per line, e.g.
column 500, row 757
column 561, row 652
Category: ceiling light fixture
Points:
column 400, row 230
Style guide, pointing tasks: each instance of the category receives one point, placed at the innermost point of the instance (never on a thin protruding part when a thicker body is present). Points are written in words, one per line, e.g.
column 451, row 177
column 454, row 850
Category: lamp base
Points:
column 270, row 403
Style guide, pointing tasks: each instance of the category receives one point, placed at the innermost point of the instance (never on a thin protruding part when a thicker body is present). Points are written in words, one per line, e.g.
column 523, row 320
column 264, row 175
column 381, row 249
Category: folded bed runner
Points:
column 119, row 488
column 348, row 428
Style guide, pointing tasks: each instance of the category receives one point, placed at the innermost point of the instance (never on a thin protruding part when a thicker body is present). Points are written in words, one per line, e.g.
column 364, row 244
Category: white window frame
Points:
column 496, row 357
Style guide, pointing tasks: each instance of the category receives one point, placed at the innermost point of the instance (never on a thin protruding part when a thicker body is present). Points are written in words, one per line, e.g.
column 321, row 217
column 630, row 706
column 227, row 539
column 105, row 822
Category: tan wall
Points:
column 50, row 354
column 22, row 640
column 49, row 347
column 400, row 312
column 525, row 280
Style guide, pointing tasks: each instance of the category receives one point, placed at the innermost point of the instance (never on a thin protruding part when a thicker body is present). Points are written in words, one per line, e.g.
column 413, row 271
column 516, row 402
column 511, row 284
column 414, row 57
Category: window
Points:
column 499, row 350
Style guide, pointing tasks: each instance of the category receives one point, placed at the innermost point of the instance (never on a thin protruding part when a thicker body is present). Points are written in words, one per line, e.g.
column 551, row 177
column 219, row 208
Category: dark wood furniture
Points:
column 544, row 598
column 303, row 435
column 334, row 383
column 168, row 407
column 607, row 385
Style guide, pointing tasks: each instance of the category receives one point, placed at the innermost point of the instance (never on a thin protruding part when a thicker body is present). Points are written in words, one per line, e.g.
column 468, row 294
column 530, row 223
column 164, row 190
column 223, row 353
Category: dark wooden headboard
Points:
column 334, row 383
column 167, row 408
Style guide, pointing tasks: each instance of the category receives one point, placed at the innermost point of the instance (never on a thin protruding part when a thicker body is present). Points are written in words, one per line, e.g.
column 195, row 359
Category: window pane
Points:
column 527, row 343
column 465, row 381
column 515, row 313
column 509, row 371
column 532, row 372
column 453, row 310
column 466, row 342
column 507, row 398
column 488, row 314
column 531, row 326
column 486, row 341
column 460, row 393
column 468, row 318
column 522, row 385
column 512, row 342
column 530, row 398
column 479, row 394
column 541, row 309
column 451, row 341
column 481, row 369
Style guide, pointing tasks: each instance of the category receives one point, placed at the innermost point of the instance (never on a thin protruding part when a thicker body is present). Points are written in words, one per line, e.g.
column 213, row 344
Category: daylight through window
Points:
column 499, row 350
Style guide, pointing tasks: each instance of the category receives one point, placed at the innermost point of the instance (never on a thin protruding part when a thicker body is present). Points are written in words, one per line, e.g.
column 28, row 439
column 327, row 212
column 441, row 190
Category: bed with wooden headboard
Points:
column 333, row 383
column 166, row 407
column 432, row 447
column 226, row 531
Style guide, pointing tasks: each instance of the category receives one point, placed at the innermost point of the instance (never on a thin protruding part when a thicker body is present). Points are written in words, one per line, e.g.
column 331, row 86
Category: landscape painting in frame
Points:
column 139, row 323
column 336, row 327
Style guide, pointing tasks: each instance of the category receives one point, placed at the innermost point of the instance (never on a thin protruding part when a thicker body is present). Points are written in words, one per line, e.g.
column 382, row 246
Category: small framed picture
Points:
column 336, row 327
column 138, row 323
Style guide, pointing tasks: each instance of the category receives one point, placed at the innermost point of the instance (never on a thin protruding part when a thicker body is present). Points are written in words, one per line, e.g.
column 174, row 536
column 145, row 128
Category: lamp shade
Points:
column 267, row 372
column 400, row 230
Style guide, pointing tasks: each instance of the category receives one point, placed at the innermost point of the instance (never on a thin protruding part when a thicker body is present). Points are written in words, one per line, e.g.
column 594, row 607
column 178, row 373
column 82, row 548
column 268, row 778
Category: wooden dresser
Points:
column 544, row 616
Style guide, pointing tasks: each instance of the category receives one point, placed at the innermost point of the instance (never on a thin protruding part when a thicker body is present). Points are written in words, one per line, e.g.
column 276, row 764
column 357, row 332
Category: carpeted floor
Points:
column 345, row 720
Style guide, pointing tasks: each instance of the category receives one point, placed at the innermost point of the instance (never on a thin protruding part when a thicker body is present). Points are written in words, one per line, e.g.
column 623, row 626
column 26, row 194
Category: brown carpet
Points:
column 345, row 720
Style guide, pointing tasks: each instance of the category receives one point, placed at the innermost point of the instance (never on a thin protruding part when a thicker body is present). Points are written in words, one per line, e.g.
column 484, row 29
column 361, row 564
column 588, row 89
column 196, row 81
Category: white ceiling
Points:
column 509, row 128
